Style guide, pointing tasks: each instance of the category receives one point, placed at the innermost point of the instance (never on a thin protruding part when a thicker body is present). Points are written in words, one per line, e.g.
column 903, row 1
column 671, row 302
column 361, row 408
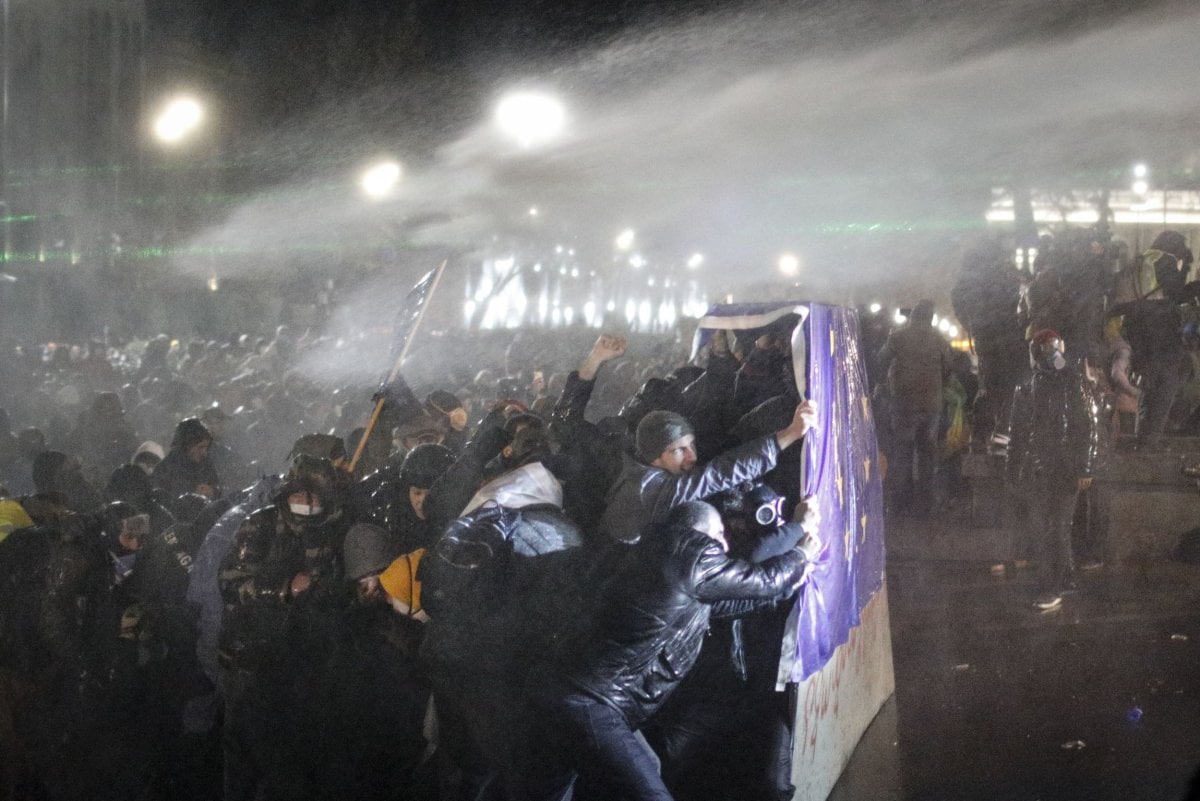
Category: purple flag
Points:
column 841, row 470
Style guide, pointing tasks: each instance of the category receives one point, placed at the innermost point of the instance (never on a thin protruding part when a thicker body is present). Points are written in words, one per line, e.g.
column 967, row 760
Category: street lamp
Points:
column 625, row 239
column 379, row 180
column 531, row 118
column 789, row 264
column 695, row 261
column 178, row 118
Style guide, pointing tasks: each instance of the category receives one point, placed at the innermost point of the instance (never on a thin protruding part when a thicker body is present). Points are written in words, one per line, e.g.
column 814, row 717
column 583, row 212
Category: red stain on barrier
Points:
column 822, row 694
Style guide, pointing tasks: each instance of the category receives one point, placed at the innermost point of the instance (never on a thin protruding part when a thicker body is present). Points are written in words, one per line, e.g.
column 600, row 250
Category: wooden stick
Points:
column 362, row 442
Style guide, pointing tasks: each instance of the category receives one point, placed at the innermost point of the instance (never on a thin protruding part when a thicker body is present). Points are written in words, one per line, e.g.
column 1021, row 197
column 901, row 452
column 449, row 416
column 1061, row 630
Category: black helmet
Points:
column 113, row 517
column 188, row 506
column 425, row 464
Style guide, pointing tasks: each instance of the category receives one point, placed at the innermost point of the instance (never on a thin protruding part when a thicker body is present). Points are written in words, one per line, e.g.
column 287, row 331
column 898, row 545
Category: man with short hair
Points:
column 667, row 474
column 610, row 680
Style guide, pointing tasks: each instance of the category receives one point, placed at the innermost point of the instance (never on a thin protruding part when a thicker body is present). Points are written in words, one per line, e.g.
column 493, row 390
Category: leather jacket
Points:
column 643, row 495
column 657, row 612
column 1053, row 429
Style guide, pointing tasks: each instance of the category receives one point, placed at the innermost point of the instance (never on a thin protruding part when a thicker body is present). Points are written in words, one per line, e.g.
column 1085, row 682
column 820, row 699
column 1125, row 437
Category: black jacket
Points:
column 643, row 495
column 269, row 549
column 650, row 632
column 1053, row 429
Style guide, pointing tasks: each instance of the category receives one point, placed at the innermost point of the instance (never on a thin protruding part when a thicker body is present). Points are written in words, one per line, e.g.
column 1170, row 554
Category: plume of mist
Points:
column 867, row 144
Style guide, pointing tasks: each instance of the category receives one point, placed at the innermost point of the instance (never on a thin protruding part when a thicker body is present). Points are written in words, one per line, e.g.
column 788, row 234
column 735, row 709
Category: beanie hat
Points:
column 659, row 429
column 368, row 549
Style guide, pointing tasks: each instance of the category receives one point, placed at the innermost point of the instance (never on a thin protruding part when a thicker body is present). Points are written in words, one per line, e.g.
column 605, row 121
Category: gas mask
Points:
column 1046, row 352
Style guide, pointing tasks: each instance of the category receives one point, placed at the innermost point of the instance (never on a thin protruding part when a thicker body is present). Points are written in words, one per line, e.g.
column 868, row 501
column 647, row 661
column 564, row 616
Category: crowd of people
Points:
column 225, row 578
column 220, row 581
column 1079, row 356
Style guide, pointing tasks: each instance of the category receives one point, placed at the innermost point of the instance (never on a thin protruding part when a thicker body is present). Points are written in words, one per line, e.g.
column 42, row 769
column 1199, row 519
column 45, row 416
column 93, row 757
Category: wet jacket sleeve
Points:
column 778, row 542
column 1084, row 429
column 737, row 465
column 574, row 399
column 715, row 577
column 1017, row 431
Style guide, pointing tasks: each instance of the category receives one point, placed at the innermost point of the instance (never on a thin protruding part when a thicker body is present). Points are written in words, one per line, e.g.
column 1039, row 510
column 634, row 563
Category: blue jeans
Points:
column 577, row 736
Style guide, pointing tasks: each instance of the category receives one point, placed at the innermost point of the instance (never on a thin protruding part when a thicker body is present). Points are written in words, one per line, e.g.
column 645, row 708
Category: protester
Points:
column 918, row 360
column 1052, row 440
column 609, row 682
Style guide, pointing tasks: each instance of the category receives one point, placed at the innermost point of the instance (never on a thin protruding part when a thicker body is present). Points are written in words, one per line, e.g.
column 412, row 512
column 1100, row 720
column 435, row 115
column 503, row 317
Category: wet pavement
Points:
column 1096, row 700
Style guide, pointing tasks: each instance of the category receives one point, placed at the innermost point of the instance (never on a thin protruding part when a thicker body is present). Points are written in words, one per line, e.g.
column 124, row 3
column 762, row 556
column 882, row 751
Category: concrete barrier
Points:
column 836, row 704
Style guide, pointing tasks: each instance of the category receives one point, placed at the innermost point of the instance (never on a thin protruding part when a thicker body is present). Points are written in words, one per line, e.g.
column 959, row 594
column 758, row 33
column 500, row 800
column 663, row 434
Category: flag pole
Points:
column 362, row 441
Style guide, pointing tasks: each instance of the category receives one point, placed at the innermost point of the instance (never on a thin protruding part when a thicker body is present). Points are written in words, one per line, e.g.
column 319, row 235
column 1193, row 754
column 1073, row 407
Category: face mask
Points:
column 1051, row 362
column 304, row 509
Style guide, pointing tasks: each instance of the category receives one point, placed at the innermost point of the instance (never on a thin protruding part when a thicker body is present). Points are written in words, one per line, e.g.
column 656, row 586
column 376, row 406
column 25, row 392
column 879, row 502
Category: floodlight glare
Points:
column 789, row 264
column 178, row 118
column 379, row 181
column 531, row 118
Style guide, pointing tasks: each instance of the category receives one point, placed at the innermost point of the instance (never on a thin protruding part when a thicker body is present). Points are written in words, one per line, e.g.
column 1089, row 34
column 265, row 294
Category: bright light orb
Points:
column 1141, row 187
column 875, row 308
column 379, row 181
column 625, row 239
column 1140, row 170
column 531, row 118
column 789, row 264
column 180, row 117
column 695, row 260
column 636, row 261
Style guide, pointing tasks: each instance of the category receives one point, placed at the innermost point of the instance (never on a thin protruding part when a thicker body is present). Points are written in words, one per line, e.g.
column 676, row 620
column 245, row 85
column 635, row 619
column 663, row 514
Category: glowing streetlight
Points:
column 789, row 264
column 1140, row 187
column 636, row 261
column 531, row 118
column 1140, row 171
column 695, row 260
column 533, row 211
column 625, row 239
column 379, row 180
column 875, row 308
column 178, row 118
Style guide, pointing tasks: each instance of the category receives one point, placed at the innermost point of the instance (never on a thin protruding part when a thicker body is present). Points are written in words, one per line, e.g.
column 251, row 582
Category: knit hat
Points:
column 368, row 549
column 659, row 429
